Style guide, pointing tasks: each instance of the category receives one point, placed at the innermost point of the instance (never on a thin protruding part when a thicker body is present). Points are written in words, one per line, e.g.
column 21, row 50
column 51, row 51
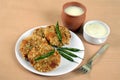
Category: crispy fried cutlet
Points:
column 51, row 35
column 34, row 46
column 42, row 49
column 49, row 63
column 39, row 32
column 32, row 41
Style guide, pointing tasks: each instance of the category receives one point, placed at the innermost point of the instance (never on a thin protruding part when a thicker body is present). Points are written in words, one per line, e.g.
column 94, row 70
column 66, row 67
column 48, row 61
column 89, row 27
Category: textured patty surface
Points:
column 34, row 46
column 32, row 41
column 51, row 36
column 48, row 63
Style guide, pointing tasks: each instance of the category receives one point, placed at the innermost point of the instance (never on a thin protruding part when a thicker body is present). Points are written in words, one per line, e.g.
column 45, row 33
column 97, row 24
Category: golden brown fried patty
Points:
column 39, row 32
column 30, row 42
column 48, row 64
column 43, row 49
column 51, row 36
column 35, row 46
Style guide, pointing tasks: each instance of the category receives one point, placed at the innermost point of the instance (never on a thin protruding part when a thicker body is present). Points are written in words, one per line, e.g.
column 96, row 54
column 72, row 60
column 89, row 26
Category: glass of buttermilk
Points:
column 73, row 15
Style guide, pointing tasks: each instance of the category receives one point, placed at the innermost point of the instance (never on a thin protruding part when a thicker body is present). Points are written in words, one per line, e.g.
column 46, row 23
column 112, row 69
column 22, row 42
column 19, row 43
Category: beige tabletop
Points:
column 17, row 16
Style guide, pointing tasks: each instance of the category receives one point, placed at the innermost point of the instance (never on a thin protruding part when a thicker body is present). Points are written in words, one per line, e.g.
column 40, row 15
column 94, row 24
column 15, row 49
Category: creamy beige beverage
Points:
column 74, row 10
column 96, row 30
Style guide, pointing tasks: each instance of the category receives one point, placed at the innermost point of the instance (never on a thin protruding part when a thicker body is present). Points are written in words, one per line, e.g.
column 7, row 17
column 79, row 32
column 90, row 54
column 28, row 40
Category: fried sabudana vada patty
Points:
column 43, row 49
column 35, row 46
column 51, row 36
column 32, row 41
column 39, row 32
column 46, row 64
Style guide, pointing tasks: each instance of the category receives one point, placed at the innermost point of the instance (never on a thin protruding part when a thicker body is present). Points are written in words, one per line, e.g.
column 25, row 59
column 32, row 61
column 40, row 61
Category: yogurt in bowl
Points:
column 96, row 32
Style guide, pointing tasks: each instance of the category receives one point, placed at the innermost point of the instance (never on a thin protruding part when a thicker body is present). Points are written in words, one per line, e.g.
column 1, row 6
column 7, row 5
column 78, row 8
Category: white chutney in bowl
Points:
column 96, row 32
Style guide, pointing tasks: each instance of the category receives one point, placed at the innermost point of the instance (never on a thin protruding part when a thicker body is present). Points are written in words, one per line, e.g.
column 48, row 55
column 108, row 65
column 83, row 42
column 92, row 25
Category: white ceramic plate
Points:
column 65, row 65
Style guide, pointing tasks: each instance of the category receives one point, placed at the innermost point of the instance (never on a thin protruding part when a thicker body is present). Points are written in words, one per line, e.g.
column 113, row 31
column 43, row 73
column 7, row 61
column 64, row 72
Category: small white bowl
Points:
column 96, row 32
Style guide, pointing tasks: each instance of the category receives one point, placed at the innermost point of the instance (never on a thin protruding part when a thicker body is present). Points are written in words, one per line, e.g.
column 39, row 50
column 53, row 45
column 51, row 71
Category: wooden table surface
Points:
column 17, row 16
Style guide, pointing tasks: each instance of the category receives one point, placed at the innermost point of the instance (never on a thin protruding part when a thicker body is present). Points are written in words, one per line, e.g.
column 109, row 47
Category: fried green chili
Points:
column 71, row 49
column 58, row 32
column 69, row 53
column 45, row 55
column 66, row 56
